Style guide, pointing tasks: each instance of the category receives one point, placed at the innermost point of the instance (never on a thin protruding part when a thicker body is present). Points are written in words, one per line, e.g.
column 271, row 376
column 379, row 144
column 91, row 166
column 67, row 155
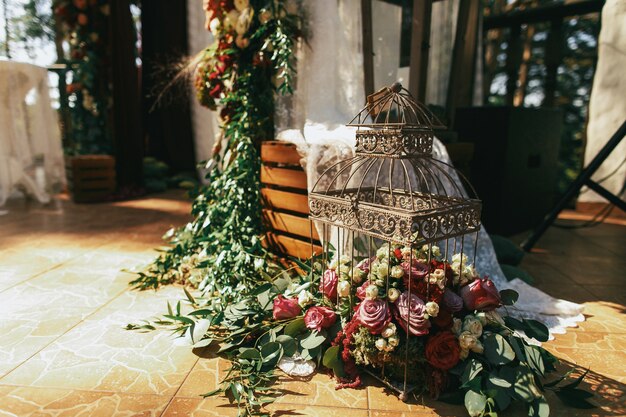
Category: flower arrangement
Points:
column 85, row 26
column 403, row 313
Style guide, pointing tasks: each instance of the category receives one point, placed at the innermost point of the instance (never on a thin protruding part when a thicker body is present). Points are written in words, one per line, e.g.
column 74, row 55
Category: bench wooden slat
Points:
column 277, row 152
column 283, row 177
column 295, row 225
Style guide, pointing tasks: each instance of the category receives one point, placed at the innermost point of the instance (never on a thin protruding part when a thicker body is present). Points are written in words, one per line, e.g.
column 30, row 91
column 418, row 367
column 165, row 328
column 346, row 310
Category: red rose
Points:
column 481, row 294
column 318, row 318
column 423, row 290
column 398, row 253
column 373, row 314
column 216, row 91
column 418, row 270
column 285, row 308
column 328, row 284
column 410, row 314
column 442, row 350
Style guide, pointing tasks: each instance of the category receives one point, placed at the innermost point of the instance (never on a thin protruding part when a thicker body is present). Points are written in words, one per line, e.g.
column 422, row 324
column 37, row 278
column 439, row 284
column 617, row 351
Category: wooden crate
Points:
column 285, row 202
column 91, row 178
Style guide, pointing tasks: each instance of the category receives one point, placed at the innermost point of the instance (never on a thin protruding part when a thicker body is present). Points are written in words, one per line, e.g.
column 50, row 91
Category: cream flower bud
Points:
column 333, row 265
column 435, row 251
column 473, row 325
column 343, row 289
column 383, row 251
column 381, row 344
column 383, row 269
column 241, row 42
column 305, row 298
column 265, row 16
column 388, row 347
column 389, row 331
column 357, row 275
column 397, row 272
column 379, row 282
column 432, row 309
column 467, row 340
column 230, row 21
column 457, row 326
column 241, row 4
column 344, row 259
column 393, row 294
column 371, row 292
column 494, row 317
column 344, row 269
column 393, row 341
column 458, row 259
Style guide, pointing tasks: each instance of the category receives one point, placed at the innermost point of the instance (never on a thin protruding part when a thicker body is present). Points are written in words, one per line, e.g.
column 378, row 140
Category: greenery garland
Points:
column 220, row 250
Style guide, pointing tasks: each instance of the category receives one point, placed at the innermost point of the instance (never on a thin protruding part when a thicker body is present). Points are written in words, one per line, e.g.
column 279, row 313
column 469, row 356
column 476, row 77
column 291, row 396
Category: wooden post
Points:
column 554, row 49
column 420, row 45
column 461, row 84
column 368, row 46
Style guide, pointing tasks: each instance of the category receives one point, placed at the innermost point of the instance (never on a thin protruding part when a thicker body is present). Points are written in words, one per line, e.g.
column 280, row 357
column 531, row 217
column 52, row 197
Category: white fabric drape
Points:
column 31, row 154
column 607, row 107
column 329, row 93
column 204, row 121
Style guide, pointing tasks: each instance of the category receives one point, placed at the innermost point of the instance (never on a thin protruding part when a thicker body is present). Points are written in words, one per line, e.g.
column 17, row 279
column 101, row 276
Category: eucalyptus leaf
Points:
column 497, row 350
column 536, row 330
column 475, row 403
column 332, row 360
column 313, row 341
column 295, row 327
column 289, row 344
column 539, row 408
column 472, row 370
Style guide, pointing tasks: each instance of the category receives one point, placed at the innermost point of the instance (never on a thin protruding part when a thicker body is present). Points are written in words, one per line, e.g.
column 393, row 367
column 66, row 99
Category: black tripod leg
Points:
column 582, row 179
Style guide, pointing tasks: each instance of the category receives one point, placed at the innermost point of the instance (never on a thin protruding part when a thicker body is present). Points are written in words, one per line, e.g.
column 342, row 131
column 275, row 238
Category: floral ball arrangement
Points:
column 85, row 26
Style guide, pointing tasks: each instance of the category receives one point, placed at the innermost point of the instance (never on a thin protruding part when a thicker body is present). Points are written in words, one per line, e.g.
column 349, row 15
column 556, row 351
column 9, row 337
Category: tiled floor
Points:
column 64, row 303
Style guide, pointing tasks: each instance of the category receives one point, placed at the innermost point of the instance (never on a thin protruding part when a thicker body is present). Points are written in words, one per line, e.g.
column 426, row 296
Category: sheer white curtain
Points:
column 607, row 107
column 329, row 93
column 31, row 154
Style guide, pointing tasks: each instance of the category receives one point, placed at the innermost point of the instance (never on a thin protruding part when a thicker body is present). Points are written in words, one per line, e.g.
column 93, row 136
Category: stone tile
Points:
column 100, row 354
column 219, row 407
column 589, row 340
column 27, row 401
column 604, row 317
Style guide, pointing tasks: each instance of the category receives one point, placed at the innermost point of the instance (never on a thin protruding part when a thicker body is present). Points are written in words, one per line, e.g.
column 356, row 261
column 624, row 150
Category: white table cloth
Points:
column 31, row 154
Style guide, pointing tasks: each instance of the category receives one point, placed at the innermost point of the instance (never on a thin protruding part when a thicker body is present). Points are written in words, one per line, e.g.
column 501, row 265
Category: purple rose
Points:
column 373, row 314
column 328, row 284
column 452, row 301
column 410, row 311
column 418, row 270
column 481, row 294
column 364, row 265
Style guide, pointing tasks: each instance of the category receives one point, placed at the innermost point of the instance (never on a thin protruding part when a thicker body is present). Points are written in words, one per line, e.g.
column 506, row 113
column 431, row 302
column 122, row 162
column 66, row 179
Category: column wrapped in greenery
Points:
column 84, row 24
column 220, row 250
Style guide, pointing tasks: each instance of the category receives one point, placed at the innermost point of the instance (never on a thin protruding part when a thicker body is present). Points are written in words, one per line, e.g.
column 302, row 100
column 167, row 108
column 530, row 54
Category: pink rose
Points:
column 364, row 265
column 452, row 301
column 418, row 271
column 410, row 311
column 481, row 294
column 360, row 292
column 318, row 318
column 373, row 314
column 328, row 284
column 285, row 308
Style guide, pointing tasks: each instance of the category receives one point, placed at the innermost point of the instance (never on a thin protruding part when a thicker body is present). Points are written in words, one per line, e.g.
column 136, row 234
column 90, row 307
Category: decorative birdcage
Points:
column 393, row 196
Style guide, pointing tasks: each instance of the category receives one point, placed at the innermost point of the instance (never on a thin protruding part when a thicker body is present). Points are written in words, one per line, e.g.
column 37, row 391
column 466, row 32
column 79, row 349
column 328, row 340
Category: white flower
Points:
column 381, row 344
column 389, row 348
column 457, row 325
column 241, row 4
column 473, row 325
column 344, row 269
column 397, row 272
column 380, row 283
column 393, row 294
column 438, row 276
column 393, row 341
column 383, row 269
column 344, row 259
column 432, row 309
column 435, row 251
column 383, row 251
column 389, row 331
column 406, row 253
column 467, row 340
column 305, row 298
column 458, row 258
column 343, row 289
column 371, row 292
column 214, row 26
column 333, row 265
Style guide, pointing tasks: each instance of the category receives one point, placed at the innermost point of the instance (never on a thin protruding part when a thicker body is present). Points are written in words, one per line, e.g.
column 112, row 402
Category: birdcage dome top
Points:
column 394, row 189
column 394, row 124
